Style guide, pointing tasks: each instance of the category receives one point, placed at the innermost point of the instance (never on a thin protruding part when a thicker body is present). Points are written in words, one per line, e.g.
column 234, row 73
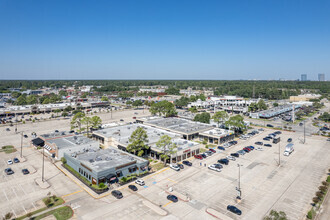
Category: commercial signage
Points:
column 186, row 151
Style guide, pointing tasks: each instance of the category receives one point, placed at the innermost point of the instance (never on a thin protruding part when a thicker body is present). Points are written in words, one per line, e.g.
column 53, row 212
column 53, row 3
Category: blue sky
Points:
column 164, row 39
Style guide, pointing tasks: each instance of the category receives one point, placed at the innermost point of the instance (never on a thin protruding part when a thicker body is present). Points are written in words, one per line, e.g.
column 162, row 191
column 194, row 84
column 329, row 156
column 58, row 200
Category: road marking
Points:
column 5, row 195
column 167, row 203
column 34, row 205
column 24, row 208
column 22, row 189
column 72, row 193
column 14, row 213
column 164, row 169
column 171, row 180
column 14, row 191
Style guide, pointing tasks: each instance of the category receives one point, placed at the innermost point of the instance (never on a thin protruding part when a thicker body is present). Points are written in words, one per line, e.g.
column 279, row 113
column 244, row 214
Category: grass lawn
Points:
column 62, row 213
column 8, row 149
column 157, row 166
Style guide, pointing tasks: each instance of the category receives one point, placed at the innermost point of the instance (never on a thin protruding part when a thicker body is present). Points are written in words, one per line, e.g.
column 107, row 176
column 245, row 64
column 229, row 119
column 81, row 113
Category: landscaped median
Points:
column 318, row 200
column 8, row 149
column 50, row 202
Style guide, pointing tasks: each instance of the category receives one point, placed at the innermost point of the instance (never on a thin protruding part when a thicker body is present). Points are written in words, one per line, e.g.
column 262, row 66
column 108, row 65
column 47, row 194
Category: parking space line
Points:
column 14, row 213
column 24, row 208
column 167, row 203
column 172, row 180
column 22, row 189
column 14, row 191
column 5, row 195
column 34, row 205
column 72, row 193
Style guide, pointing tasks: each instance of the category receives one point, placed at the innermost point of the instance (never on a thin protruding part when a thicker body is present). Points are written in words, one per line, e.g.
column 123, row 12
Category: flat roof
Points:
column 103, row 159
column 179, row 125
column 123, row 133
column 217, row 132
column 180, row 143
column 71, row 141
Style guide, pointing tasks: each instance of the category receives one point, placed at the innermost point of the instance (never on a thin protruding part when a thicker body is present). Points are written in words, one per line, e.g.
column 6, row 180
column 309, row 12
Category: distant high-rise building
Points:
column 321, row 77
column 303, row 77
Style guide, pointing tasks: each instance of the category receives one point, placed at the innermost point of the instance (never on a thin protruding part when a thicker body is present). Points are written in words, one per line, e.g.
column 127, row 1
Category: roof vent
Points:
column 98, row 158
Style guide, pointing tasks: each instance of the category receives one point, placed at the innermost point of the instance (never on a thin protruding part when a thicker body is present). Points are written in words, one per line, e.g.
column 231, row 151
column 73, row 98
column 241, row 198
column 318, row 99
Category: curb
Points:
column 211, row 214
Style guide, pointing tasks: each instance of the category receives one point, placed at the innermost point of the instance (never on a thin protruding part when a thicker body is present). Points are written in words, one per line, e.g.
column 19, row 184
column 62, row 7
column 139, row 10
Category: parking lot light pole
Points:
column 21, row 144
column 304, row 132
column 279, row 153
column 239, row 180
column 43, row 162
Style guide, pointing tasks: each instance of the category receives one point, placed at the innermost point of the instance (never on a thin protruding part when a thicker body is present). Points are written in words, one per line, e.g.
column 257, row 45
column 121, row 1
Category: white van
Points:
column 288, row 149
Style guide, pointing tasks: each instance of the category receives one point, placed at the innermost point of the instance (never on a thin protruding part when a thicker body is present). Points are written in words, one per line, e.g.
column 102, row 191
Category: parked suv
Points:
column 224, row 161
column 117, row 194
column 9, row 171
column 187, row 163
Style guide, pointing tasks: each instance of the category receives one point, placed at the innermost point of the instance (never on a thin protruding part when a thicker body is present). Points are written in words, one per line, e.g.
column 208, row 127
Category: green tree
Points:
column 203, row 117
column 68, row 109
column 57, row 111
column 76, row 120
column 104, row 99
column 138, row 142
column 262, row 105
column 236, row 122
column 182, row 102
column 96, row 122
column 193, row 109
column 274, row 215
column 275, row 104
column 88, row 122
column 84, row 95
column 325, row 117
column 137, row 103
column 129, row 103
column 220, row 117
column 167, row 146
column 63, row 93
column 165, row 108
column 253, row 107
column 172, row 91
column 31, row 99
column 21, row 100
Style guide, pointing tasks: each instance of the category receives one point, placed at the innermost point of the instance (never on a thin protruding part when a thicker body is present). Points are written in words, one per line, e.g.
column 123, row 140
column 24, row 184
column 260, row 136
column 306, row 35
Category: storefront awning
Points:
column 38, row 142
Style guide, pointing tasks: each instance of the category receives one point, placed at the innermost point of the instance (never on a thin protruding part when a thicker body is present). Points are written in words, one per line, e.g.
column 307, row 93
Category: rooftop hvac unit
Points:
column 91, row 160
column 185, row 142
column 98, row 158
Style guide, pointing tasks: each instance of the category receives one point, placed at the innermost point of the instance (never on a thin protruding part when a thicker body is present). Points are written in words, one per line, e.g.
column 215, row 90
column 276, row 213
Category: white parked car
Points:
column 140, row 182
column 10, row 162
column 260, row 148
column 231, row 158
column 215, row 167
column 175, row 167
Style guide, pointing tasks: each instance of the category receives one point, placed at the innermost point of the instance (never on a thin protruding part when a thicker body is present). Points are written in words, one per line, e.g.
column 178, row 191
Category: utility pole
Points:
column 16, row 123
column 21, row 144
column 239, row 182
column 43, row 162
column 304, row 132
column 279, row 153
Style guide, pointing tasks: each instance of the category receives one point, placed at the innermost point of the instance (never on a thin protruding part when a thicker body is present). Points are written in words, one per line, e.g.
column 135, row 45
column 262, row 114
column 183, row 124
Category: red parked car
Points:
column 198, row 157
column 212, row 150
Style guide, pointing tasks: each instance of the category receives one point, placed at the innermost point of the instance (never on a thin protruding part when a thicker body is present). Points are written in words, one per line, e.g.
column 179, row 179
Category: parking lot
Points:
column 265, row 185
column 19, row 193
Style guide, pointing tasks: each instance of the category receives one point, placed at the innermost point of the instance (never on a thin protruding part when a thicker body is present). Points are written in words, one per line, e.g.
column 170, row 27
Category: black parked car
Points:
column 180, row 165
column 133, row 187
column 269, row 125
column 117, row 194
column 258, row 143
column 25, row 136
column 172, row 198
column 267, row 145
column 290, row 140
column 9, row 171
column 223, row 161
column 266, row 139
column 187, row 163
column 25, row 171
column 204, row 155
column 221, row 148
column 234, row 209
column 234, row 154
column 16, row 160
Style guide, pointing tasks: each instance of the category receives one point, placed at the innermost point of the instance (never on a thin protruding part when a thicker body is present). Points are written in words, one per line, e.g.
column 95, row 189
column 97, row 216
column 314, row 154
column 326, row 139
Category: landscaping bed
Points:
column 8, row 149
